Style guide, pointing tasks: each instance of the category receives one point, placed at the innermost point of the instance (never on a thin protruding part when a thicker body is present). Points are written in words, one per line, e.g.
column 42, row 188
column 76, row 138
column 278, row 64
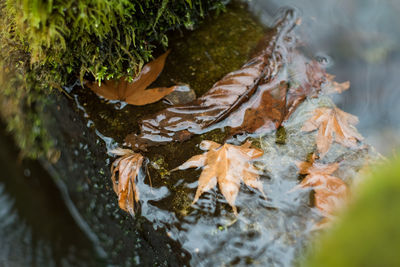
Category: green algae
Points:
column 204, row 56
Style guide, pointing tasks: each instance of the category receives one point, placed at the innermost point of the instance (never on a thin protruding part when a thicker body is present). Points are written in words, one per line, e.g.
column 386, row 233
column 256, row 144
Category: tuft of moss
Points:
column 104, row 38
column 49, row 44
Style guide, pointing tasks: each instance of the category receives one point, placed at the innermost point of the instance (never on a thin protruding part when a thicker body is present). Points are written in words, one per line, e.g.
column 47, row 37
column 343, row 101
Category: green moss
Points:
column 368, row 234
column 106, row 38
column 21, row 92
column 49, row 44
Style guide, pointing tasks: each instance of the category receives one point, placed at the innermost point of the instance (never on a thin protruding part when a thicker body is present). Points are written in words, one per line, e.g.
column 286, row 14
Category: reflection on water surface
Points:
column 35, row 227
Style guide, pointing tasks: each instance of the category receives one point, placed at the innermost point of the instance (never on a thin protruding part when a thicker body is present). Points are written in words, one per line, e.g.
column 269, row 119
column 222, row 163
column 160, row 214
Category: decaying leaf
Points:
column 265, row 86
column 335, row 87
column 330, row 191
column 135, row 92
column 226, row 165
column 332, row 124
column 126, row 167
column 275, row 101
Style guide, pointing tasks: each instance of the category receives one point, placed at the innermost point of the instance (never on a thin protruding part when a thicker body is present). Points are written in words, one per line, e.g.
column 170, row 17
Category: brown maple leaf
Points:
column 332, row 124
column 226, row 165
column 127, row 167
column 135, row 92
column 330, row 191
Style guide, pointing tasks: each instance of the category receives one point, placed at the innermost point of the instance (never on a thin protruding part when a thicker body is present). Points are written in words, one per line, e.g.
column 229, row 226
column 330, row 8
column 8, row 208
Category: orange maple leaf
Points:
column 330, row 191
column 135, row 92
column 332, row 124
column 226, row 165
column 127, row 166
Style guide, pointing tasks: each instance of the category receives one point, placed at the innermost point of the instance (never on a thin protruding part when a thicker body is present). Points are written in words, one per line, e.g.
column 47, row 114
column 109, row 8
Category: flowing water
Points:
column 358, row 40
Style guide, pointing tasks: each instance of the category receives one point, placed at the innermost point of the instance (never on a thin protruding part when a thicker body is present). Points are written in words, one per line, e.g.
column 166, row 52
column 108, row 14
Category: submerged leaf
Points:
column 263, row 87
column 330, row 191
column 127, row 167
column 332, row 124
column 226, row 165
column 135, row 92
column 275, row 101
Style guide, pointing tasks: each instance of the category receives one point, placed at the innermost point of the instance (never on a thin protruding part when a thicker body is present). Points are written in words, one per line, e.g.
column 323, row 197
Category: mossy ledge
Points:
column 50, row 44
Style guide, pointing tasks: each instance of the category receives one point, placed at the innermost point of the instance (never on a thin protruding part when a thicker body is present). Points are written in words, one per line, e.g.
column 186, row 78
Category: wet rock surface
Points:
column 168, row 229
column 84, row 126
column 83, row 175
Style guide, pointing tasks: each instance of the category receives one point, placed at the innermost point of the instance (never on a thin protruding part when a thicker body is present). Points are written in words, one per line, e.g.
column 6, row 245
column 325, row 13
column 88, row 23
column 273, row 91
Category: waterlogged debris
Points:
column 226, row 165
column 262, row 93
column 275, row 101
column 127, row 167
column 135, row 92
column 330, row 191
column 332, row 124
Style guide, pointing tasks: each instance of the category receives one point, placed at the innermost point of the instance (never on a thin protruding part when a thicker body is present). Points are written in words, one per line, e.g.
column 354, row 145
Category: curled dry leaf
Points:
column 332, row 124
column 330, row 191
column 124, row 171
column 226, row 165
column 256, row 96
column 135, row 92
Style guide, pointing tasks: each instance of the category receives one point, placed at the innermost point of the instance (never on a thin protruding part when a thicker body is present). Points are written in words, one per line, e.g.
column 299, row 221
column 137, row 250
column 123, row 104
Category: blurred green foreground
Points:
column 369, row 232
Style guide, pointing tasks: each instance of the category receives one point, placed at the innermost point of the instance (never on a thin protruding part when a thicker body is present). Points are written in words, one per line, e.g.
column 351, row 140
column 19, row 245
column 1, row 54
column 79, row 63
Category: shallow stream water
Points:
column 359, row 40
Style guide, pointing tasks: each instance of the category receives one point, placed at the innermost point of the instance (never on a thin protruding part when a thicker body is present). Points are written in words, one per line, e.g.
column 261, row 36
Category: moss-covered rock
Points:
column 107, row 38
column 49, row 44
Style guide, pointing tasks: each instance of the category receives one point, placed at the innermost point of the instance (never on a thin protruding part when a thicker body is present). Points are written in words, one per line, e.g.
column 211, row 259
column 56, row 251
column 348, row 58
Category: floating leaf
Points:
column 135, row 92
column 127, row 167
column 332, row 124
column 226, row 165
column 330, row 191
